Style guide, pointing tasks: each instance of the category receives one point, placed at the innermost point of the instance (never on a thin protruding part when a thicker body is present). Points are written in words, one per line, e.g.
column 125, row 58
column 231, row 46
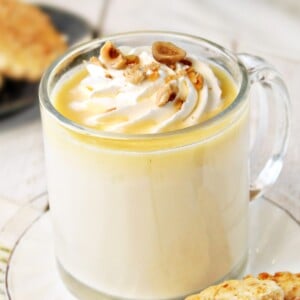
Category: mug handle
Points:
column 275, row 98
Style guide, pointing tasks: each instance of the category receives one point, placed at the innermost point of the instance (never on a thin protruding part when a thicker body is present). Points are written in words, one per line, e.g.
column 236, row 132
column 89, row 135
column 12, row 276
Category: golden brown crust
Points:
column 290, row 283
column 247, row 289
column 28, row 41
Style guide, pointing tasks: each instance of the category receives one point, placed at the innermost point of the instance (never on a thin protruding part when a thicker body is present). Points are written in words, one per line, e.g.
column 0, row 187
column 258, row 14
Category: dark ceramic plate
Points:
column 17, row 95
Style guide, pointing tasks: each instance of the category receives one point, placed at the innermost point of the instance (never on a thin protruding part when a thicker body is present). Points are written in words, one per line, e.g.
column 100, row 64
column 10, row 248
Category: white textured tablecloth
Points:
column 268, row 28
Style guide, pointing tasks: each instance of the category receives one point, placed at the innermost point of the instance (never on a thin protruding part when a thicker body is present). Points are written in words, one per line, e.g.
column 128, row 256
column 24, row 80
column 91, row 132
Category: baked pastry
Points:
column 28, row 41
column 290, row 283
column 246, row 289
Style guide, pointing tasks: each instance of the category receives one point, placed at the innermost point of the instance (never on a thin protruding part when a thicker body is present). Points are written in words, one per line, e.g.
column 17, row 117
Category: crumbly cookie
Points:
column 247, row 289
column 290, row 283
column 28, row 41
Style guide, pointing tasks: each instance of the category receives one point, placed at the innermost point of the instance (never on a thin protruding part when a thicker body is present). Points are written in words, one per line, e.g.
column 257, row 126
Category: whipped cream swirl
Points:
column 111, row 102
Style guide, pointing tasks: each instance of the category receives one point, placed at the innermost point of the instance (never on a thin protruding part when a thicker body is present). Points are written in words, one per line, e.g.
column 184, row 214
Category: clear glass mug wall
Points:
column 156, row 216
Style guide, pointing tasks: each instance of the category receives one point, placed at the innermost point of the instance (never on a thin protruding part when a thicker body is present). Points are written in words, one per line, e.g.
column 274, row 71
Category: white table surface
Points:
column 270, row 28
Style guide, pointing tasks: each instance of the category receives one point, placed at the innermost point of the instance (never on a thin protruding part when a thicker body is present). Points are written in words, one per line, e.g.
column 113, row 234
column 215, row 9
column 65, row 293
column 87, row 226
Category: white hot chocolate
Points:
column 154, row 219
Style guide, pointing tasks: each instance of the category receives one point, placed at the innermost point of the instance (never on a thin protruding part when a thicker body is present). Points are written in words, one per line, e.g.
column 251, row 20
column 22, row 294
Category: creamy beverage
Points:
column 143, row 95
column 155, row 206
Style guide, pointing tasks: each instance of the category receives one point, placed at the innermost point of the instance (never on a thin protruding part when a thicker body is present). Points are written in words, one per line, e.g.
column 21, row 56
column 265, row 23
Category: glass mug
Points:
column 157, row 216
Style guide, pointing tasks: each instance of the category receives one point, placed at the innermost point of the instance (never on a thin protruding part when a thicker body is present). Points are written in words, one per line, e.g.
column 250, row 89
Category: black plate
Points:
column 17, row 94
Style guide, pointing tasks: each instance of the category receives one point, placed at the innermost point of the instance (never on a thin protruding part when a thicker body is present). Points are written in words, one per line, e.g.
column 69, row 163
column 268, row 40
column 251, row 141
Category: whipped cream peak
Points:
column 146, row 89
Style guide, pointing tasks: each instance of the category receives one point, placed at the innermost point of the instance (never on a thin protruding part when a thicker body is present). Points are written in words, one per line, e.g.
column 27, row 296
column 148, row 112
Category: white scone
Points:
column 247, row 289
column 290, row 283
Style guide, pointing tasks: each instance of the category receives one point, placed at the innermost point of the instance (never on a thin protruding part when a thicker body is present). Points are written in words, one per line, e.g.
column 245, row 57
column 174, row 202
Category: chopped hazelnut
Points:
column 154, row 66
column 110, row 109
column 112, row 56
column 132, row 59
column 178, row 103
column 196, row 78
column 153, row 76
column 167, row 53
column 186, row 62
column 166, row 94
column 170, row 78
column 134, row 74
column 109, row 76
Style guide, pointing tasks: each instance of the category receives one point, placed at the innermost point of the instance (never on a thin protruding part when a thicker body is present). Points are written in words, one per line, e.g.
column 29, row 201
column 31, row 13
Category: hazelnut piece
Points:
column 112, row 56
column 196, row 79
column 132, row 59
column 134, row 74
column 167, row 53
column 166, row 94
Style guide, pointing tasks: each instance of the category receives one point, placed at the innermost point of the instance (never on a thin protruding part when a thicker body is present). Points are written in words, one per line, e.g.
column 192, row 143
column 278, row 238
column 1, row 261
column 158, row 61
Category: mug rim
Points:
column 45, row 102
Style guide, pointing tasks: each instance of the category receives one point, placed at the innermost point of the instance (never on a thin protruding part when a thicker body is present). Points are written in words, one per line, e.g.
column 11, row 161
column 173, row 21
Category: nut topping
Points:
column 186, row 62
column 110, row 109
column 135, row 74
column 166, row 94
column 178, row 103
column 112, row 56
column 153, row 76
column 170, row 78
column 132, row 59
column 196, row 79
column 154, row 67
column 167, row 53
column 109, row 76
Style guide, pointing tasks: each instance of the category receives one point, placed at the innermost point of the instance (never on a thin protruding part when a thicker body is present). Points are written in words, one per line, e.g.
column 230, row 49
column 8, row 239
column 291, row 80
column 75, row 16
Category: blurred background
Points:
column 268, row 28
